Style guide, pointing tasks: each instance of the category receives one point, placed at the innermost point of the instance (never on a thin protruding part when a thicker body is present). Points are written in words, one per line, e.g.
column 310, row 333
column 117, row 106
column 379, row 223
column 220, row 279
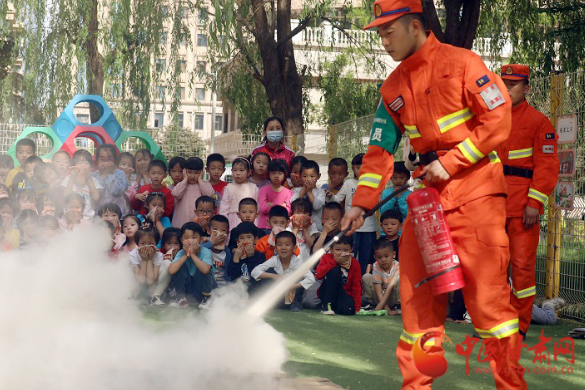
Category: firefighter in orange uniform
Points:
column 531, row 167
column 456, row 113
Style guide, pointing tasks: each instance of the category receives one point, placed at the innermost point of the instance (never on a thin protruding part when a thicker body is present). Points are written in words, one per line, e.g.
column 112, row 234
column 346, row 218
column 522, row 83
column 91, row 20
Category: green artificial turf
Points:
column 359, row 353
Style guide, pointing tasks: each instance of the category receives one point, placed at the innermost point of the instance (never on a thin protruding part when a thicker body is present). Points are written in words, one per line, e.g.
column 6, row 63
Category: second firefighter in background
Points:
column 531, row 167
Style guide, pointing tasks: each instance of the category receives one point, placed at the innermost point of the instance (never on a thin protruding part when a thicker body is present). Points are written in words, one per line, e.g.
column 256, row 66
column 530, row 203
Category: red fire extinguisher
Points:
column 435, row 242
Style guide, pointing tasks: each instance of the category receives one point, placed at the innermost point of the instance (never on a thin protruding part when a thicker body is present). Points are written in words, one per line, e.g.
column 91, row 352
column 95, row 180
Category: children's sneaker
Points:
column 179, row 303
column 326, row 309
column 206, row 302
column 156, row 301
column 296, row 307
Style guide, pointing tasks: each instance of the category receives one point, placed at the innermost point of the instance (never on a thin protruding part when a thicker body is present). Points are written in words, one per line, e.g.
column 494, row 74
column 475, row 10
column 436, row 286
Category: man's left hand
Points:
column 435, row 172
column 530, row 217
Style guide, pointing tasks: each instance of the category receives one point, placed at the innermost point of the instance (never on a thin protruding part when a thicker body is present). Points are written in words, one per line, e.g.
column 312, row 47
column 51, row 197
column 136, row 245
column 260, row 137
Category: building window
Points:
column 160, row 92
column 201, row 67
column 184, row 12
column 163, row 39
column 161, row 64
column 182, row 93
column 202, row 17
column 159, row 119
column 183, row 65
column 181, row 116
column 165, row 11
column 200, row 94
column 183, row 39
column 202, row 40
column 116, row 90
column 199, row 121
column 218, row 123
column 83, row 118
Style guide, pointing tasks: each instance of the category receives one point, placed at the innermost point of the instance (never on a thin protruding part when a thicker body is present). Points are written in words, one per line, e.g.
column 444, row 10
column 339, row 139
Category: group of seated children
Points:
column 185, row 236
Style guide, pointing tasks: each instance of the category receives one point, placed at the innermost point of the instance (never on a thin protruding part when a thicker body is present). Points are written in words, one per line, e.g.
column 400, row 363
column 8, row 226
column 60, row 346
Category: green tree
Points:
column 545, row 35
column 344, row 98
column 103, row 47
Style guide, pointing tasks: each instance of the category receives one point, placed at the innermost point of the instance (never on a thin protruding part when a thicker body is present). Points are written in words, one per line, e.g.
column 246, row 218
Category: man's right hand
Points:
column 354, row 218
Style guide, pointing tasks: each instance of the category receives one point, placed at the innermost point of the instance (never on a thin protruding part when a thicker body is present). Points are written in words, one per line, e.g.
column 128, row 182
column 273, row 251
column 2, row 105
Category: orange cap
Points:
column 387, row 10
column 515, row 72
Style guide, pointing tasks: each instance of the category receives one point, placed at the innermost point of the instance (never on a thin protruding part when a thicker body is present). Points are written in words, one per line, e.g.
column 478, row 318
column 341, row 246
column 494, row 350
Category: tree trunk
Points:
column 461, row 21
column 94, row 69
column 283, row 85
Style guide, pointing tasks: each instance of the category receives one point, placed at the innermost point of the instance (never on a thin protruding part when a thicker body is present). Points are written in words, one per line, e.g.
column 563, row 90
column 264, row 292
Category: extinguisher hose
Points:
column 371, row 212
column 428, row 279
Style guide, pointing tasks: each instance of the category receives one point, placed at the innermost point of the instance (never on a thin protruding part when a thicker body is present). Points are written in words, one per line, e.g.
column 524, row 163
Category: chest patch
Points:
column 397, row 104
column 492, row 96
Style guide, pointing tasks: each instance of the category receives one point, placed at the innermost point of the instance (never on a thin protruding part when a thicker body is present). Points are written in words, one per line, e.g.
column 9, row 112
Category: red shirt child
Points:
column 353, row 287
column 157, row 171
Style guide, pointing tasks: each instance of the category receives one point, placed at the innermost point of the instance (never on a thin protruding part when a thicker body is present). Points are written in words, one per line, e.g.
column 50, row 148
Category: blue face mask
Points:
column 274, row 136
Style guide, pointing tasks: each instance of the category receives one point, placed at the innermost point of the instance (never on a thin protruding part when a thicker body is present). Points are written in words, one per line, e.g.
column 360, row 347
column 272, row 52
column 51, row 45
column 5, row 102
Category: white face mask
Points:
column 274, row 136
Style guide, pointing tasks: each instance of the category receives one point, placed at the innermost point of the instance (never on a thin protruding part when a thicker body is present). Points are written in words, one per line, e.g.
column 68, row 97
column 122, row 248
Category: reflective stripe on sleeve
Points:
column 494, row 157
column 505, row 329
column 527, row 292
column 470, row 152
column 450, row 121
column 412, row 131
column 370, row 180
column 520, row 153
column 536, row 195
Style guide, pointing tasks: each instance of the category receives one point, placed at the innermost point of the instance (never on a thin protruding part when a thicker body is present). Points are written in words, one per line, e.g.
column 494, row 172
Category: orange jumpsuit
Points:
column 532, row 145
column 448, row 101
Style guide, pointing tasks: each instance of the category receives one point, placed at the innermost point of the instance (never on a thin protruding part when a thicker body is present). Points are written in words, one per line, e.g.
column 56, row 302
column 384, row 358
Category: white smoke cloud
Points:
column 67, row 323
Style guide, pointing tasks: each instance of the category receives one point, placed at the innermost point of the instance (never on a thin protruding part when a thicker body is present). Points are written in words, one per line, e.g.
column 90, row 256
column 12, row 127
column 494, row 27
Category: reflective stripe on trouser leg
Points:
column 421, row 312
column 479, row 234
column 523, row 246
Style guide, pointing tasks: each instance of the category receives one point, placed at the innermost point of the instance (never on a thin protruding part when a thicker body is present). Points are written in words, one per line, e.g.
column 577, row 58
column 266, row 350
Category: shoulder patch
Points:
column 482, row 81
column 550, row 135
column 397, row 104
column 548, row 149
column 492, row 96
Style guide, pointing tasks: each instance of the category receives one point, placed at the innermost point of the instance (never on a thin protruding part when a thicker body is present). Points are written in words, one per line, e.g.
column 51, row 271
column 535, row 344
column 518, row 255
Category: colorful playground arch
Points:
column 67, row 127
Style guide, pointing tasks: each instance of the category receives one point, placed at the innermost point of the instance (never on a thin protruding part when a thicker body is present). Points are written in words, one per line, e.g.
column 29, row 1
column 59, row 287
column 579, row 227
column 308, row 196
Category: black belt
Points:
column 515, row 171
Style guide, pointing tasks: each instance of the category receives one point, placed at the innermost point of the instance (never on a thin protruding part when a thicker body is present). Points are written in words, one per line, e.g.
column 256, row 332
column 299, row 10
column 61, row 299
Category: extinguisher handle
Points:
column 372, row 211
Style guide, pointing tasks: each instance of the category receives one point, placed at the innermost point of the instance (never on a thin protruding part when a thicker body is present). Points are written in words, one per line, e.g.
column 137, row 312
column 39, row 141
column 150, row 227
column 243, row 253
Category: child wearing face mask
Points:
column 273, row 144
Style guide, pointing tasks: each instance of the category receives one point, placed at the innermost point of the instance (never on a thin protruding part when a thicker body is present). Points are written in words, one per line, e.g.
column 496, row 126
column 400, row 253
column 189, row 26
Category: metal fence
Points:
column 560, row 268
column 172, row 141
column 350, row 138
